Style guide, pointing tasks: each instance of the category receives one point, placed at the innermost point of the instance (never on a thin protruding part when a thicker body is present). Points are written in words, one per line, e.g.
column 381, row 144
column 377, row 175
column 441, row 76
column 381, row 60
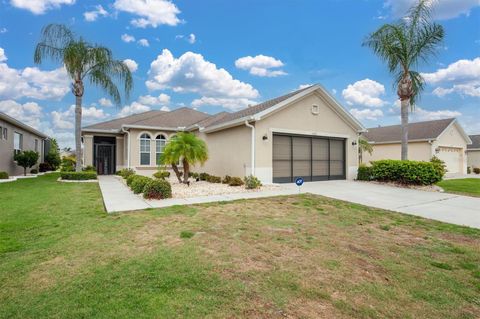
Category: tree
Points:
column 189, row 149
column 364, row 146
column 52, row 158
column 83, row 61
column 402, row 46
column 26, row 159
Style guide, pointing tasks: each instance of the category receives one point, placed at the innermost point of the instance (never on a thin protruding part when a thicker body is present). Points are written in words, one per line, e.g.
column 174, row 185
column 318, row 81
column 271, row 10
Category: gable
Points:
column 452, row 136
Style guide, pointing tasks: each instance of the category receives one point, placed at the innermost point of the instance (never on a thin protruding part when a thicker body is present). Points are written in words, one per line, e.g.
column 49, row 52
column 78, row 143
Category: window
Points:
column 36, row 145
column 145, row 149
column 1, row 132
column 160, row 142
column 17, row 142
column 5, row 133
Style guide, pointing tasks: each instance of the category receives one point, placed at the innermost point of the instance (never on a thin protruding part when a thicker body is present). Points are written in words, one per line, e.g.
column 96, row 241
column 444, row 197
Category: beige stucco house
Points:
column 473, row 152
column 444, row 139
column 305, row 133
column 16, row 136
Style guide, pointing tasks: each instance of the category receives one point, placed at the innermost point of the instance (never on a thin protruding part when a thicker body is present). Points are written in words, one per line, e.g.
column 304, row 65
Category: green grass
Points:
column 465, row 186
column 62, row 256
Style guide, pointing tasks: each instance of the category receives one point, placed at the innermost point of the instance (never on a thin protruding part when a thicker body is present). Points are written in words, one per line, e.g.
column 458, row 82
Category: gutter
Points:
column 128, row 146
column 252, row 146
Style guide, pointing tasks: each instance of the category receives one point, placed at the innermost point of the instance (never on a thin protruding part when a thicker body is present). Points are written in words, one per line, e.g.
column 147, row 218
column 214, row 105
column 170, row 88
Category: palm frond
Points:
column 101, row 79
column 418, row 85
column 426, row 42
column 53, row 41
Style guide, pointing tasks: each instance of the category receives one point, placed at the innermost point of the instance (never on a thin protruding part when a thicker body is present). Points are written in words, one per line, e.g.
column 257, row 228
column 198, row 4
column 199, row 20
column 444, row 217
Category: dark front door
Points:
column 105, row 161
column 310, row 157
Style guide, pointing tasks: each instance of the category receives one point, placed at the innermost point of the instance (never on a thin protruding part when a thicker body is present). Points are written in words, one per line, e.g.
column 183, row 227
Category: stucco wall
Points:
column 419, row 151
column 6, row 148
column 87, row 150
column 452, row 138
column 473, row 158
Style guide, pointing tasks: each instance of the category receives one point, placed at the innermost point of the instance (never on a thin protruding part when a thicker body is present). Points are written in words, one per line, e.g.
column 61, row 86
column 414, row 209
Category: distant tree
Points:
column 26, row 159
column 364, row 147
column 52, row 158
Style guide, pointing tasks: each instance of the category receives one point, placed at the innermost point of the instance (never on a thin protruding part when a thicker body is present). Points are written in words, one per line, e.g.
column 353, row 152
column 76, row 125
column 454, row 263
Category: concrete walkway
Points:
column 455, row 209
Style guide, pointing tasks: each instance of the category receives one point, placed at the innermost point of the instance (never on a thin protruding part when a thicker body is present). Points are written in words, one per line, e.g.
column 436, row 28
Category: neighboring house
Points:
column 473, row 151
column 16, row 136
column 304, row 133
column 444, row 139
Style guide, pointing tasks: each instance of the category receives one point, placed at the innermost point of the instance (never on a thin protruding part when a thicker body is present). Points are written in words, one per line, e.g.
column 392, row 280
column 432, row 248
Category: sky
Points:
column 218, row 55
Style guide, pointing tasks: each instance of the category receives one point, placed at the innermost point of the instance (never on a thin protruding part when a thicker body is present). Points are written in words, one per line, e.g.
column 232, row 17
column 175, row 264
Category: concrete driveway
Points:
column 450, row 208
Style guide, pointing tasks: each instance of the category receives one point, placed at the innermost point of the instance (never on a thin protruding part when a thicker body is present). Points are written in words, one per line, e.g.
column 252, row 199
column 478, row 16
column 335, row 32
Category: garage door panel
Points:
column 452, row 157
column 320, row 168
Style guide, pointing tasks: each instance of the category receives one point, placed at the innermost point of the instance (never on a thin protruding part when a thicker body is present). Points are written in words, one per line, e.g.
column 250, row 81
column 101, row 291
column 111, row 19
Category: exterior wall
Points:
column 119, row 156
column 452, row 138
column 299, row 119
column 419, row 151
column 6, row 148
column 473, row 157
column 88, row 149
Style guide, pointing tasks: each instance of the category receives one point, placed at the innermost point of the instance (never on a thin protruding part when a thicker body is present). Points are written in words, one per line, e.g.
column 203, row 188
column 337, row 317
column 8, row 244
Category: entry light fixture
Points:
column 354, row 143
column 265, row 137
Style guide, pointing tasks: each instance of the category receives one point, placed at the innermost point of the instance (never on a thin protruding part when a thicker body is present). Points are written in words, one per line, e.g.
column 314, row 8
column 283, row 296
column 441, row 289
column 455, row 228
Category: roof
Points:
column 475, row 142
column 11, row 120
column 417, row 131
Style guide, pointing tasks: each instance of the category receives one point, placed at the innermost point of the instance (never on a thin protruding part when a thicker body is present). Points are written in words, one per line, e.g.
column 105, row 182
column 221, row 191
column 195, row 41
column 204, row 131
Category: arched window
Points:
column 160, row 142
column 144, row 149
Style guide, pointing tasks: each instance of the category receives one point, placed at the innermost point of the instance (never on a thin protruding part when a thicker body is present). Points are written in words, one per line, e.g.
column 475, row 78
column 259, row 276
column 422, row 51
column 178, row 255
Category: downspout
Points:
column 253, row 147
column 128, row 146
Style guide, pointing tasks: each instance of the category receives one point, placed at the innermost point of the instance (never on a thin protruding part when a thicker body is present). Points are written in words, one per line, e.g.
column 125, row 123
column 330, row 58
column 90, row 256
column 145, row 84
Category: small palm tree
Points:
column 402, row 46
column 364, row 147
column 83, row 61
column 189, row 149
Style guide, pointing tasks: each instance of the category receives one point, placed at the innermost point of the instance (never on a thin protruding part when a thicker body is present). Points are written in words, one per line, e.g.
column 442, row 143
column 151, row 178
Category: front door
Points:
column 105, row 159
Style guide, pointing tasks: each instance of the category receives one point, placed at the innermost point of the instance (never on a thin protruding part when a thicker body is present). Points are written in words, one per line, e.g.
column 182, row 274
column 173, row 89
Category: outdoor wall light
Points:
column 437, row 150
column 354, row 143
column 265, row 137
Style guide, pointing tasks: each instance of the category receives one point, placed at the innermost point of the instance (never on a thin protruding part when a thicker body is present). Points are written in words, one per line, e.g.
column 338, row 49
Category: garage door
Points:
column 310, row 157
column 452, row 157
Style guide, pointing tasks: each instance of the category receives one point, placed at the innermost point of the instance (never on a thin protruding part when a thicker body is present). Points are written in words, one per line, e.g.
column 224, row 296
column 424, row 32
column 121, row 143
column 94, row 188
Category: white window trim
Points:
column 20, row 141
column 149, row 149
column 156, row 145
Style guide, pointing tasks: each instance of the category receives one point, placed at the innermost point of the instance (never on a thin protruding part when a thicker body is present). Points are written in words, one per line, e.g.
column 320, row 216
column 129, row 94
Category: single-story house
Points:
column 305, row 133
column 444, row 139
column 473, row 152
column 16, row 136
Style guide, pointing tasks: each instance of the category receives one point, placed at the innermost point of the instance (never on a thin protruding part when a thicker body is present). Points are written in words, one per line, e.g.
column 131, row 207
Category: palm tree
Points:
column 364, row 146
column 83, row 61
column 402, row 46
column 189, row 149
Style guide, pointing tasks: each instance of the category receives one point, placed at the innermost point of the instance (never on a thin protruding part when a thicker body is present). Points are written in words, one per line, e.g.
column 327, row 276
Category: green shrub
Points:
column 364, row 173
column 89, row 168
column 157, row 189
column 214, row 179
column 439, row 165
column 161, row 174
column 34, row 171
column 469, row 170
column 53, row 160
column 44, row 167
column 226, row 179
column 236, row 181
column 26, row 159
column 125, row 172
column 3, row 175
column 476, row 170
column 194, row 175
column 203, row 176
column 406, row 172
column 130, row 179
column 78, row 176
column 251, row 182
column 68, row 164
column 138, row 183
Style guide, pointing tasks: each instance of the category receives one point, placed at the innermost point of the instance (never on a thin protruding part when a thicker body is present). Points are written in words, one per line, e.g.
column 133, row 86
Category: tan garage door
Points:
column 452, row 157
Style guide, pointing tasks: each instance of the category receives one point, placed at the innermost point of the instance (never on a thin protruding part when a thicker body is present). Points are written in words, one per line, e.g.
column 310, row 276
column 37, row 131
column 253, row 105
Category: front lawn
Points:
column 464, row 186
column 302, row 256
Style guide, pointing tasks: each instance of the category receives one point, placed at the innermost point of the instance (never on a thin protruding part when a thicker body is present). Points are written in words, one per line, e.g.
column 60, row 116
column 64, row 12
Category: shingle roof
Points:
column 475, row 141
column 416, row 131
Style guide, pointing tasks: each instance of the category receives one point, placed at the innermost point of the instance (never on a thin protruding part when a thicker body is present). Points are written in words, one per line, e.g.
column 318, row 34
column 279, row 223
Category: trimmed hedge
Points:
column 364, row 173
column 138, row 183
column 125, row 172
column 157, row 189
column 235, row 181
column 476, row 170
column 214, row 179
column 78, row 176
column 203, row 176
column 226, row 179
column 407, row 172
column 251, row 182
column 3, row 175
column 161, row 174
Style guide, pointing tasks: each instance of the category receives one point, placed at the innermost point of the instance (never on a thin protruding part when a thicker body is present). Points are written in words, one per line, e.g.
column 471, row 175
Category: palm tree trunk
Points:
column 78, row 128
column 405, row 104
column 186, row 171
column 177, row 172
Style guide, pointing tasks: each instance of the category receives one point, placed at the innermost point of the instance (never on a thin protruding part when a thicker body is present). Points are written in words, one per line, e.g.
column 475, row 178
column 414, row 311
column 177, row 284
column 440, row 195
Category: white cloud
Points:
column 191, row 73
column 133, row 108
column 192, row 38
column 94, row 14
column 40, row 6
column 60, row 121
column 260, row 65
column 105, row 102
column 366, row 114
column 66, row 119
column 127, row 38
column 365, row 92
column 420, row 114
column 234, row 104
column 3, row 30
column 162, row 99
column 303, row 86
column 151, row 12
column 462, row 77
column 143, row 42
column 131, row 64
column 442, row 9
column 3, row 56
column 30, row 113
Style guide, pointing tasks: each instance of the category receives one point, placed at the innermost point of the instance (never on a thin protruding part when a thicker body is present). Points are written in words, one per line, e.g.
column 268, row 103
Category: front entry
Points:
column 310, row 157
column 104, row 155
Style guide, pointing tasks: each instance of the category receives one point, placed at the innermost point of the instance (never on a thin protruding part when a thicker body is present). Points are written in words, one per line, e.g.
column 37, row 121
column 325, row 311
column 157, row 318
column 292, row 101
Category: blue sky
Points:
column 224, row 55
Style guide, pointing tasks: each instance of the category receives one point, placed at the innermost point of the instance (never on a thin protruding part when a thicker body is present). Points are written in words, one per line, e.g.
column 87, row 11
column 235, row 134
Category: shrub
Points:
column 194, row 175
column 78, row 176
column 157, row 189
column 138, row 183
column 53, row 160
column 406, row 172
column 161, row 174
column 125, row 172
column 44, row 167
column 130, row 179
column 68, row 164
column 226, row 179
column 3, row 175
column 251, row 182
column 439, row 165
column 89, row 168
column 364, row 173
column 203, row 176
column 469, row 170
column 34, row 171
column 476, row 170
column 26, row 159
column 236, row 181
column 214, row 179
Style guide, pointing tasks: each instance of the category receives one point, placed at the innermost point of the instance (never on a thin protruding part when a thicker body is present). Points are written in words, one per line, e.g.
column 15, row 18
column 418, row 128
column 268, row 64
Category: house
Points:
column 16, row 136
column 444, row 139
column 473, row 152
column 305, row 133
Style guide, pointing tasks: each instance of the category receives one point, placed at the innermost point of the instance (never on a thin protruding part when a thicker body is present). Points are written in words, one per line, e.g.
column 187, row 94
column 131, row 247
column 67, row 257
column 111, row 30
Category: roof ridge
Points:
column 122, row 118
column 420, row 122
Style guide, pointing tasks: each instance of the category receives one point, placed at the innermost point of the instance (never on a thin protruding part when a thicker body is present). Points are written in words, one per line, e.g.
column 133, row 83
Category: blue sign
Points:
column 299, row 181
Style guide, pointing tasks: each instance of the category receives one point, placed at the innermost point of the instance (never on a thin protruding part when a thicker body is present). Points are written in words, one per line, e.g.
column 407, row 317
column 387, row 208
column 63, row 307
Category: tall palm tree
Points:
column 402, row 45
column 189, row 149
column 84, row 62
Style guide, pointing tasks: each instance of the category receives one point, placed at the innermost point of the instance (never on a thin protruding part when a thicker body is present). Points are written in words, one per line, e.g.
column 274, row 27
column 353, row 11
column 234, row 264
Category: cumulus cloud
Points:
column 144, row 42
column 462, row 77
column 366, row 114
column 192, row 38
column 421, row 114
column 442, row 9
column 105, row 102
column 93, row 15
column 3, row 30
column 131, row 64
column 66, row 119
column 365, row 92
column 3, row 56
column 127, row 38
column 29, row 113
column 228, row 103
column 260, row 65
column 162, row 99
column 133, row 108
column 152, row 13
column 40, row 6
